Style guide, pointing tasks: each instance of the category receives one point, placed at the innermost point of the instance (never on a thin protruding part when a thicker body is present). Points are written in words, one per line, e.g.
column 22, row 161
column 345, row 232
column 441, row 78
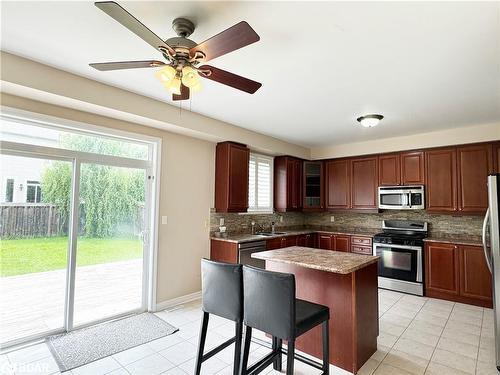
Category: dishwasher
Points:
column 245, row 251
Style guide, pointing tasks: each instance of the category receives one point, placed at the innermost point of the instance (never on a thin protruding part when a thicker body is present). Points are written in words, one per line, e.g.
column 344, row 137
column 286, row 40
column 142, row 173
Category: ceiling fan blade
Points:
column 230, row 79
column 115, row 11
column 237, row 36
column 184, row 94
column 126, row 65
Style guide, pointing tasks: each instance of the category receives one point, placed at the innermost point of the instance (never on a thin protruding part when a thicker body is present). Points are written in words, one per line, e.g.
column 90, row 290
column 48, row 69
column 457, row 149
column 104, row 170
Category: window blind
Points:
column 260, row 187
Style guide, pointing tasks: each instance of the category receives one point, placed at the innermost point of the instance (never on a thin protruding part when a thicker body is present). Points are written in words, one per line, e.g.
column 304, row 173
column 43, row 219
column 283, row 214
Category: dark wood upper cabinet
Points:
column 475, row 277
column 364, row 183
column 313, row 186
column 475, row 162
column 338, row 184
column 405, row 168
column 412, row 168
column 287, row 184
column 441, row 180
column 231, row 177
column 389, row 168
column 442, row 269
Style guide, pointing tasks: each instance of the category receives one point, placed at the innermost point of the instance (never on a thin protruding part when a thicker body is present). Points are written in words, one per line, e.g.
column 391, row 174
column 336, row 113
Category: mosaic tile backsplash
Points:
column 439, row 225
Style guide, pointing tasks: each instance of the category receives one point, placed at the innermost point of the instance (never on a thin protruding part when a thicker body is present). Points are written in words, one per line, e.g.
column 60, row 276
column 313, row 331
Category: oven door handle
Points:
column 403, row 247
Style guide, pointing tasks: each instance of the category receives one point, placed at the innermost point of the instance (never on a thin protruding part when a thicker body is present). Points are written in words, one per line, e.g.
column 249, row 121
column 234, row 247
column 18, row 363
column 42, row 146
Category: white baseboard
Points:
column 177, row 301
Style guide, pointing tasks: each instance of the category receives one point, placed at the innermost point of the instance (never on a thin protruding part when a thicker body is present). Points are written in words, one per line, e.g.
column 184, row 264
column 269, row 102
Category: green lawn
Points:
column 22, row 256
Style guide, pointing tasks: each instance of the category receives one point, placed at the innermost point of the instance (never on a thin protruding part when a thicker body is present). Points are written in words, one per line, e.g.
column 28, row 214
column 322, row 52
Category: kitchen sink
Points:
column 268, row 234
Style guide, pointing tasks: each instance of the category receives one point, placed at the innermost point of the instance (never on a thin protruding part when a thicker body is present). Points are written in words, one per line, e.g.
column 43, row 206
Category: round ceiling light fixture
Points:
column 369, row 121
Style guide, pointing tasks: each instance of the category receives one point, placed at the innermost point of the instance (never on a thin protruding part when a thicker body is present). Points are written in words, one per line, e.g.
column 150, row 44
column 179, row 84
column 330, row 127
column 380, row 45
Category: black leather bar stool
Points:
column 222, row 294
column 270, row 306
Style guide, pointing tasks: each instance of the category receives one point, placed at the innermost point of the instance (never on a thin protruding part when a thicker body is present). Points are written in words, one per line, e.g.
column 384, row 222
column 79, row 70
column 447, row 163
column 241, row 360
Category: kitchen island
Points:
column 347, row 284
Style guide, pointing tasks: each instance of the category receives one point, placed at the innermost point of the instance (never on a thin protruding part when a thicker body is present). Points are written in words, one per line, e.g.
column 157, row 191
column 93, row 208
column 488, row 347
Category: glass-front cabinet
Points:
column 313, row 186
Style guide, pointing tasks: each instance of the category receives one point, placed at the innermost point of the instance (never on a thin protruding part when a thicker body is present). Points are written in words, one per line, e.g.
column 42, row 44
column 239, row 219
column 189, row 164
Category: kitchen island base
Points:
column 353, row 302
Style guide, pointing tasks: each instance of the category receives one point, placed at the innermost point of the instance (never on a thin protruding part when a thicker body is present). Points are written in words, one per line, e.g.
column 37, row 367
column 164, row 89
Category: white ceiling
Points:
column 424, row 66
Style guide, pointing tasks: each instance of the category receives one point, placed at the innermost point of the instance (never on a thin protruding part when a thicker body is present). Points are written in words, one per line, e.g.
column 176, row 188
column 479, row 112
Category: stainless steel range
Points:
column 401, row 250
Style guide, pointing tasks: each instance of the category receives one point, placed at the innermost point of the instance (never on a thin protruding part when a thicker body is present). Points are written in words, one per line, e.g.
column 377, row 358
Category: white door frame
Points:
column 152, row 172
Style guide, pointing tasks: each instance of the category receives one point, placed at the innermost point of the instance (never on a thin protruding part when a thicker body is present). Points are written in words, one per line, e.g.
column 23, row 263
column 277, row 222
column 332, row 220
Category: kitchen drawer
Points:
column 361, row 241
column 366, row 250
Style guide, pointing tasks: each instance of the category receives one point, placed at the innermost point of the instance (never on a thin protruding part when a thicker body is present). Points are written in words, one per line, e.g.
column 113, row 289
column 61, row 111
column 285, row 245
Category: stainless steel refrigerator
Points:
column 491, row 244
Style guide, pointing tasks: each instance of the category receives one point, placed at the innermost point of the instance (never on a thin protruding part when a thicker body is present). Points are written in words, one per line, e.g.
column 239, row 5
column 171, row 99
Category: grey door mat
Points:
column 77, row 348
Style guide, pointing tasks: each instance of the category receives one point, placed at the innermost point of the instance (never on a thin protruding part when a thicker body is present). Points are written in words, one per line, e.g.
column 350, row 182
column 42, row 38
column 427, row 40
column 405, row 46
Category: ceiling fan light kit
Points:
column 370, row 121
column 182, row 71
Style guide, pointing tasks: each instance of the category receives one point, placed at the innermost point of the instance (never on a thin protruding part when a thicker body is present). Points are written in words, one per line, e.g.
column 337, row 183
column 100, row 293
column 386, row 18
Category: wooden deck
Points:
column 34, row 303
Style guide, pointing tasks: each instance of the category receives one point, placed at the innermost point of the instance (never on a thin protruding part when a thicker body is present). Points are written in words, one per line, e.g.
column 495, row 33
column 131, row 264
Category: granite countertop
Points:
column 455, row 239
column 241, row 238
column 322, row 260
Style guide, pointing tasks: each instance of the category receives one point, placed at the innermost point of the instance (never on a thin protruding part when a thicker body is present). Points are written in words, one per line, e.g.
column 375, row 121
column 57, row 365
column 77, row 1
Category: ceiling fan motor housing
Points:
column 183, row 27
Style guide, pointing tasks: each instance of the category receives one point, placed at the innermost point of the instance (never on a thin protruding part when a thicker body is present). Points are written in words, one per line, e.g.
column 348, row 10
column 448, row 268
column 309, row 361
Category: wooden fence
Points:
column 31, row 220
column 19, row 220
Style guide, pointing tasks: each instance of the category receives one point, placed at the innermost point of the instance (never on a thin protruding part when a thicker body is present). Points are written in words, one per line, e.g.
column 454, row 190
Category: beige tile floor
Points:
column 417, row 336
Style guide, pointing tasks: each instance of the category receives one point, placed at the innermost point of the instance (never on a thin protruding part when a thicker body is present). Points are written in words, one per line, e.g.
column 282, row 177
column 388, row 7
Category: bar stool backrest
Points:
column 269, row 301
column 222, row 289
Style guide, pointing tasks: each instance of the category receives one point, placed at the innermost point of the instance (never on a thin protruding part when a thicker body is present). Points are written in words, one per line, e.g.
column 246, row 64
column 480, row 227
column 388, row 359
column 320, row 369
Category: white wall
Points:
column 472, row 134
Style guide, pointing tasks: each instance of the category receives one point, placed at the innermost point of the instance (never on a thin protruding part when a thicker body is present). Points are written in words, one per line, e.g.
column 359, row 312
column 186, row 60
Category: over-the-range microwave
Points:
column 401, row 197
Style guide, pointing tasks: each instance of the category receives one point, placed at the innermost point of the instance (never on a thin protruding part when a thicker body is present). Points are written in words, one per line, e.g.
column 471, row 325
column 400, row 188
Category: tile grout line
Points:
column 399, row 299
column 411, row 321
column 479, row 345
column 440, row 335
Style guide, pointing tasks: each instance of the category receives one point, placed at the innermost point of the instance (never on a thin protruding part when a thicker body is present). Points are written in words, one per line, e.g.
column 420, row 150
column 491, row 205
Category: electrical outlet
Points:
column 281, row 219
column 332, row 219
column 207, row 223
column 221, row 221
column 164, row 220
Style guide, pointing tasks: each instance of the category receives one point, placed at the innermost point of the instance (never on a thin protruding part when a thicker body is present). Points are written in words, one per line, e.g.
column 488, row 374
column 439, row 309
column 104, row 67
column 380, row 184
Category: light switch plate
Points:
column 332, row 219
column 221, row 221
column 164, row 220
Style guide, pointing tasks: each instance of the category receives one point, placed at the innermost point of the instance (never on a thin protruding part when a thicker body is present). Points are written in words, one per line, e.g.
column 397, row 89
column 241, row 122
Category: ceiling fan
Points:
column 184, row 58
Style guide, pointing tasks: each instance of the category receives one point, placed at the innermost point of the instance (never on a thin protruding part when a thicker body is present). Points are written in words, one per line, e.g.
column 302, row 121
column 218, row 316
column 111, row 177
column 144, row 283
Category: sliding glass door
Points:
column 75, row 219
column 109, row 257
column 33, row 245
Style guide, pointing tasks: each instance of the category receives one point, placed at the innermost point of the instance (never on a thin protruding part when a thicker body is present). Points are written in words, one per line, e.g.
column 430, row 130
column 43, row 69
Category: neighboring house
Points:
column 20, row 176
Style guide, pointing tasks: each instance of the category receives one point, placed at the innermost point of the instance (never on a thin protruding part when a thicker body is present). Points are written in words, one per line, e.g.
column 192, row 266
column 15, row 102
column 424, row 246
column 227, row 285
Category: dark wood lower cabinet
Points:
column 441, row 271
column 224, row 251
column 275, row 243
column 291, row 241
column 325, row 241
column 336, row 242
column 475, row 277
column 457, row 273
column 361, row 245
column 342, row 243
column 306, row 240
